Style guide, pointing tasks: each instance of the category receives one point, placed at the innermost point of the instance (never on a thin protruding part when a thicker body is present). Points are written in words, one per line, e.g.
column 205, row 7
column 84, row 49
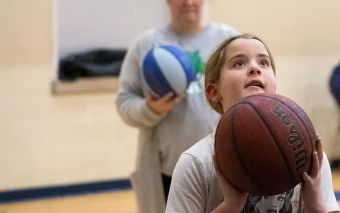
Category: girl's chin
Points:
column 254, row 91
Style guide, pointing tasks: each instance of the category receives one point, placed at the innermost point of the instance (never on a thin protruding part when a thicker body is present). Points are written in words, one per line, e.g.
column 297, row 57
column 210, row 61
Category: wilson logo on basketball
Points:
column 295, row 137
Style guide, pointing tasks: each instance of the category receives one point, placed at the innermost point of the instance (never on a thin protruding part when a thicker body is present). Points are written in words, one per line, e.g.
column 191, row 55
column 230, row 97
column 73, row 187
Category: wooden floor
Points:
column 336, row 180
column 112, row 202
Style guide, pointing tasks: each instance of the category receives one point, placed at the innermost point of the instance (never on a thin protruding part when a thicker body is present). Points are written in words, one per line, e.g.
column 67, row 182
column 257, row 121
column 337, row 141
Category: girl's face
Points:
column 247, row 70
column 186, row 11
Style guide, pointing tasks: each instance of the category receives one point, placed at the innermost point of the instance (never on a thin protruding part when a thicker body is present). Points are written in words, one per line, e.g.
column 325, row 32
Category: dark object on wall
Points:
column 92, row 63
column 334, row 84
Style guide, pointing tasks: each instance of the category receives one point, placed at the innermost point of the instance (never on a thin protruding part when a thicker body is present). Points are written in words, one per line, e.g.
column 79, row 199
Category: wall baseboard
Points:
column 72, row 190
column 337, row 195
column 63, row 190
column 85, row 85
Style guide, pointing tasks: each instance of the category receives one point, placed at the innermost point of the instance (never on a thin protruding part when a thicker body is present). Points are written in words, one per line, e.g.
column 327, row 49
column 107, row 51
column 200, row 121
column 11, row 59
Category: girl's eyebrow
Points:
column 241, row 55
column 263, row 55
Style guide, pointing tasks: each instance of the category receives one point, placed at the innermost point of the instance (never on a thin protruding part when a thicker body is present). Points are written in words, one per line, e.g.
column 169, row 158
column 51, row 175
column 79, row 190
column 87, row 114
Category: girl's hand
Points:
column 233, row 199
column 311, row 185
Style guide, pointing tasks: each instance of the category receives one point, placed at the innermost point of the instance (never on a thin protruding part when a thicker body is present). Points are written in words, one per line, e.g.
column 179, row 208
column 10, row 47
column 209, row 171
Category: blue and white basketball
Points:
column 168, row 69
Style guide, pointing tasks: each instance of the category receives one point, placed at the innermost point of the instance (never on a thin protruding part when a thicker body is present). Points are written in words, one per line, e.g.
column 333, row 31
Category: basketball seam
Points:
column 166, row 77
column 184, row 66
column 301, row 120
column 258, row 114
column 161, row 77
column 239, row 155
column 163, row 81
column 218, row 162
column 187, row 74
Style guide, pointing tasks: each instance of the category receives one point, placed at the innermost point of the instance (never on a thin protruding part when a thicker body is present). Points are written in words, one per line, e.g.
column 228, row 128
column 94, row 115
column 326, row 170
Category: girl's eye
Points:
column 239, row 63
column 264, row 62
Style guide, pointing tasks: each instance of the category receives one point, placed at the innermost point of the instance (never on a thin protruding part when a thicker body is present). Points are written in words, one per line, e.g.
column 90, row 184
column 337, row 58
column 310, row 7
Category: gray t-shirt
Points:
column 195, row 187
column 190, row 120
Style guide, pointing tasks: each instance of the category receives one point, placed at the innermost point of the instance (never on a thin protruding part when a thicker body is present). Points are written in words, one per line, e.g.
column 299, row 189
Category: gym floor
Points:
column 117, row 202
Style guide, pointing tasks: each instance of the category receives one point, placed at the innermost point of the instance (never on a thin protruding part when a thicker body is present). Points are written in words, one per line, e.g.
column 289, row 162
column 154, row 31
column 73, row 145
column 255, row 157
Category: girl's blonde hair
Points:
column 217, row 60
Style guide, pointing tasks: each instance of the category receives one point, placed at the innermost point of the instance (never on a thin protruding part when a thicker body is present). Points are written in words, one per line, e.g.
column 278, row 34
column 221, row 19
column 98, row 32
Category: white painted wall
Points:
column 84, row 24
column 51, row 140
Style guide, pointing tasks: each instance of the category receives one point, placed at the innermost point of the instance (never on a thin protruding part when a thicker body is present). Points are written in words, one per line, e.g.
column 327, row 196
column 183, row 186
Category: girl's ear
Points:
column 212, row 93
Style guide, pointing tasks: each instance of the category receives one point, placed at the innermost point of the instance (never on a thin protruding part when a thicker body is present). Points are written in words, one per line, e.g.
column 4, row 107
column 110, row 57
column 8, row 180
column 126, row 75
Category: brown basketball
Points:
column 264, row 143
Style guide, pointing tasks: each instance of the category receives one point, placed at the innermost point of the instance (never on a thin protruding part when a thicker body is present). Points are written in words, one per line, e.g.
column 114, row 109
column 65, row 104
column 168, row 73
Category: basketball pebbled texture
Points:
column 264, row 143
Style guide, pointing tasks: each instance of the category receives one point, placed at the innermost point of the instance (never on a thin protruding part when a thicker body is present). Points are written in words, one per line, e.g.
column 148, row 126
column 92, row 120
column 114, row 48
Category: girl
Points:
column 197, row 187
